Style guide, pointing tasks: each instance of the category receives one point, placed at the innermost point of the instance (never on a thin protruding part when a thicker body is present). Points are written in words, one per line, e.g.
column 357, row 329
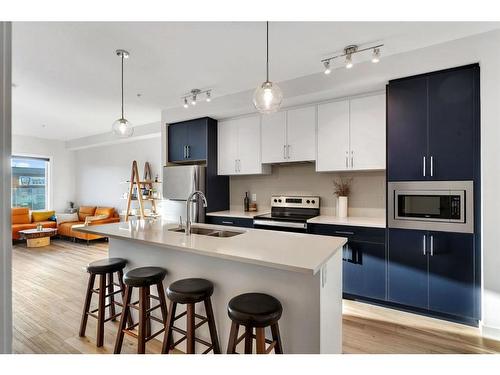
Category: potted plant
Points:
column 342, row 188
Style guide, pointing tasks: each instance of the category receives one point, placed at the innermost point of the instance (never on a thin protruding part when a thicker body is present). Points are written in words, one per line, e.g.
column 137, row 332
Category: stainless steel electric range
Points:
column 288, row 213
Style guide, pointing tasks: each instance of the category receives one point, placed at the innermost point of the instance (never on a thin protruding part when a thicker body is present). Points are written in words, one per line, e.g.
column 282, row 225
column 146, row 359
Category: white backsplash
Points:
column 367, row 198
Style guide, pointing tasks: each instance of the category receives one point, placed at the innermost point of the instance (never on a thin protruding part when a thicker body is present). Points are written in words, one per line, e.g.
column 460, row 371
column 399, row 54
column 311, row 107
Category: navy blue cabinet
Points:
column 433, row 126
column 407, row 268
column 453, row 124
column 433, row 271
column 406, row 129
column 451, row 274
column 187, row 140
column 364, row 260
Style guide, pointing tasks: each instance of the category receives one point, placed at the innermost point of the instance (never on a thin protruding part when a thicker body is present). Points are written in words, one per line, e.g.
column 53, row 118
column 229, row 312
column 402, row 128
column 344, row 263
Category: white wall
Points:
column 5, row 230
column 62, row 166
column 101, row 170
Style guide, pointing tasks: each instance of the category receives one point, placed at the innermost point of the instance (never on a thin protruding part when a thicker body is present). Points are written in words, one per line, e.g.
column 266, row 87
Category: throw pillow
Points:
column 53, row 218
column 66, row 218
column 41, row 215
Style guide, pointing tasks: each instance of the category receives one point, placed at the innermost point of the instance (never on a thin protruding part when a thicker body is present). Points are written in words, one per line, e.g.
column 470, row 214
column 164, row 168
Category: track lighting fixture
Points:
column 193, row 95
column 348, row 52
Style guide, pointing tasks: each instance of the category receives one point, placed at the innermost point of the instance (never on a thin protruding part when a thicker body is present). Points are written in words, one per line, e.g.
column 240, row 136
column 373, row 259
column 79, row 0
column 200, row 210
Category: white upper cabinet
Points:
column 368, row 132
column 301, row 134
column 239, row 147
column 333, row 136
column 351, row 134
column 274, row 137
column 289, row 136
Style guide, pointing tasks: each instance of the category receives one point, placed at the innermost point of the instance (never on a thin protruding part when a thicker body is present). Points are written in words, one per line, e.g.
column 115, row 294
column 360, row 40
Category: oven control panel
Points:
column 295, row 201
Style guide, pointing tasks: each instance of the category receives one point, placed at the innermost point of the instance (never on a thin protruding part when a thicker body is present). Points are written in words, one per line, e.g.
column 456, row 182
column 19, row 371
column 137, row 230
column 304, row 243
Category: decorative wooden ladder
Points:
column 146, row 183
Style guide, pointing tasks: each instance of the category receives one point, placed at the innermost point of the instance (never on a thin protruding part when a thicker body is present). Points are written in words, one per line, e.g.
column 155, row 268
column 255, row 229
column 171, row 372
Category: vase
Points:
column 342, row 207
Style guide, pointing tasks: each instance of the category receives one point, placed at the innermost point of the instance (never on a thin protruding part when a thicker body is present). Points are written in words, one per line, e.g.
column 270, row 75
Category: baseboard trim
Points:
column 490, row 332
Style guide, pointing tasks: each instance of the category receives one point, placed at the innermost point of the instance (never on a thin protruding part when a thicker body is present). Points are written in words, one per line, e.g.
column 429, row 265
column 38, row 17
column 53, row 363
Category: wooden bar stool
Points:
column 189, row 292
column 142, row 278
column 105, row 269
column 255, row 310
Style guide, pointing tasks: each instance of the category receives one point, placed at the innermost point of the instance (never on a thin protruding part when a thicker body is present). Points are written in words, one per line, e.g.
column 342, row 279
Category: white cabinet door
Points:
column 249, row 161
column 273, row 137
column 368, row 132
column 333, row 136
column 301, row 134
column 227, row 147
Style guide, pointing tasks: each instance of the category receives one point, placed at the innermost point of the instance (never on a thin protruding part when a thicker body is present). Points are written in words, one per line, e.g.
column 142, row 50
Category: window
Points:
column 30, row 178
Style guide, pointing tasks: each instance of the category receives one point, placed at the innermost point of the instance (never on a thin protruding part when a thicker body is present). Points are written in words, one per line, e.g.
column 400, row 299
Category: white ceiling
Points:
column 67, row 75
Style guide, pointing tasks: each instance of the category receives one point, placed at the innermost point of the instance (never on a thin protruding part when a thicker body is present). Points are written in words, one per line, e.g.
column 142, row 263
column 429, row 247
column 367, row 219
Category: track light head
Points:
column 328, row 69
column 185, row 103
column 209, row 97
column 348, row 61
column 376, row 55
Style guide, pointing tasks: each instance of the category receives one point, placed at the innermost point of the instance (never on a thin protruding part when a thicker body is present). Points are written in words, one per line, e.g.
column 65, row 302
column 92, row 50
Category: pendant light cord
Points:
column 122, row 85
column 267, row 51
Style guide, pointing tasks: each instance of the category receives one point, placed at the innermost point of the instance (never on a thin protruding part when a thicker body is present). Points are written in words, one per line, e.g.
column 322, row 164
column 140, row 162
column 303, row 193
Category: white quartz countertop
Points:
column 239, row 213
column 357, row 221
column 297, row 252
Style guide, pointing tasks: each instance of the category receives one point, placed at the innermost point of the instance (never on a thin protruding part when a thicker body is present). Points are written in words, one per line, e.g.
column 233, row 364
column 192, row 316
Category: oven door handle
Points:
column 272, row 223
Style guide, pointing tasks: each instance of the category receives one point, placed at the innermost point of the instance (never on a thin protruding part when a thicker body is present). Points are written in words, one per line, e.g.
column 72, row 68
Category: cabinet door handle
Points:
column 432, row 244
column 227, row 222
column 424, row 166
column 424, row 244
column 347, row 159
column 239, row 165
column 185, row 152
column 344, row 232
column 235, row 165
column 284, row 151
column 188, row 152
column 352, row 159
column 432, row 168
column 288, row 151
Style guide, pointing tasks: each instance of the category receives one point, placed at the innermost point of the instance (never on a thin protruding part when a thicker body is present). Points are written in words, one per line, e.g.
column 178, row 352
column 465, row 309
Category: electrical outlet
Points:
column 254, row 197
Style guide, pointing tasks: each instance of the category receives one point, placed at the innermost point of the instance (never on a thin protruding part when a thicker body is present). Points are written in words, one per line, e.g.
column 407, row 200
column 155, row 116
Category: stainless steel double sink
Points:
column 208, row 232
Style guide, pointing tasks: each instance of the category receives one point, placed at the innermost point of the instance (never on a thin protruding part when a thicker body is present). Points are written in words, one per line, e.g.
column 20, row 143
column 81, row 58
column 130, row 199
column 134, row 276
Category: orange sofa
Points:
column 21, row 220
column 88, row 215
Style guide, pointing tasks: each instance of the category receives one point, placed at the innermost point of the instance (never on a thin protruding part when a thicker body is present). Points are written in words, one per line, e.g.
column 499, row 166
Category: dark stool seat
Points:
column 144, row 276
column 101, row 270
column 190, row 290
column 254, row 309
column 106, row 265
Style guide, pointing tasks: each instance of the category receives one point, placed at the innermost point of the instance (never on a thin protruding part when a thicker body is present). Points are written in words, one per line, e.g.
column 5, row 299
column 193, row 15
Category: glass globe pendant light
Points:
column 122, row 127
column 267, row 97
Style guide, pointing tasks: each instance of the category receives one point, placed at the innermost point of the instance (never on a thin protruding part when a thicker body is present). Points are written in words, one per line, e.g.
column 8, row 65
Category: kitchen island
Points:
column 303, row 271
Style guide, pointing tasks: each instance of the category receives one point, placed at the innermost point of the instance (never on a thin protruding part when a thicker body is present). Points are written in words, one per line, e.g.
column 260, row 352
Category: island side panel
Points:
column 331, row 305
column 299, row 293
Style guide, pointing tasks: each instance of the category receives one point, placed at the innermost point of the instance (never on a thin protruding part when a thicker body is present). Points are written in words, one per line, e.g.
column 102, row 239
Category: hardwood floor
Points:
column 48, row 292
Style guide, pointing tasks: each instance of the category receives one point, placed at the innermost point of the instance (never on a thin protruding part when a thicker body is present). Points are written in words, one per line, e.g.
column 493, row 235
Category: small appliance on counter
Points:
column 289, row 213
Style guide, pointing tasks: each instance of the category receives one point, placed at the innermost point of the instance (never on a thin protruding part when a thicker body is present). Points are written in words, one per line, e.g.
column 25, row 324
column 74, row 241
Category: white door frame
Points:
column 5, row 171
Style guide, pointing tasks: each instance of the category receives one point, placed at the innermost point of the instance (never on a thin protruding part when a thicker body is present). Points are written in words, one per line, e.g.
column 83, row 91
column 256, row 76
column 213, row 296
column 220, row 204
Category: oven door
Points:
column 284, row 226
column 431, row 205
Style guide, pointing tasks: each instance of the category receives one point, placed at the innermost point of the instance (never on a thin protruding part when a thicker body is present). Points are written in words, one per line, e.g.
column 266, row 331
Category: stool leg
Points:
column 211, row 326
column 275, row 330
column 163, row 308
column 86, row 305
column 102, row 310
column 123, row 319
column 122, row 287
column 111, row 290
column 248, row 339
column 233, row 337
column 147, row 304
column 190, row 328
column 261, row 340
column 143, row 296
column 168, row 337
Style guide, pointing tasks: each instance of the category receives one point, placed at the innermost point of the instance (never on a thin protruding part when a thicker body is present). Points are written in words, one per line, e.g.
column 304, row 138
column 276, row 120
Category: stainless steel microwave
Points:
column 431, row 205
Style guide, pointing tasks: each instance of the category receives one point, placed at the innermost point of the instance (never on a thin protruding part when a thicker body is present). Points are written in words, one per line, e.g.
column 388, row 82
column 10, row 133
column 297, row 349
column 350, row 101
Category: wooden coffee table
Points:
column 37, row 238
